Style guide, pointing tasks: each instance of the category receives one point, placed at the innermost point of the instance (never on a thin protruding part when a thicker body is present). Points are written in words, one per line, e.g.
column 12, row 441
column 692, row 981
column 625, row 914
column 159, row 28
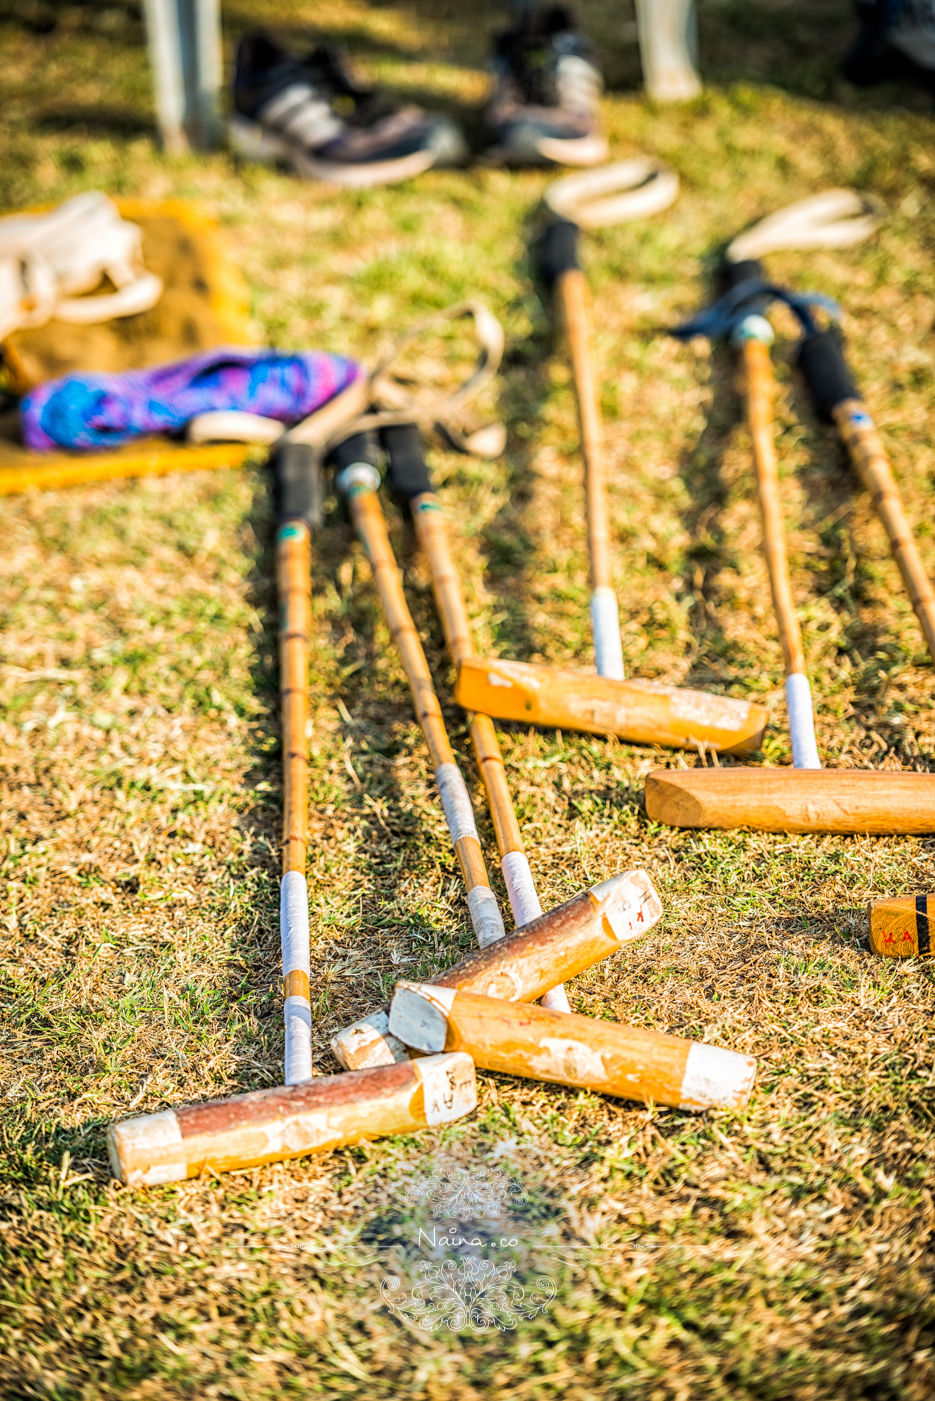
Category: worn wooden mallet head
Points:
column 248, row 1131
column 537, row 1044
column 902, row 927
column 527, row 963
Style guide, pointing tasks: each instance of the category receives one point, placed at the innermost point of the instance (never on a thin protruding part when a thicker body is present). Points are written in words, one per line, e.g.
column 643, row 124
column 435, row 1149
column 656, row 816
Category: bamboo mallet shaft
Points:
column 571, row 295
column 755, row 336
column 836, row 398
column 872, row 465
column 431, row 529
column 367, row 516
column 758, row 370
column 411, row 479
column 514, row 863
column 293, row 572
column 557, row 256
column 297, row 479
column 516, row 1039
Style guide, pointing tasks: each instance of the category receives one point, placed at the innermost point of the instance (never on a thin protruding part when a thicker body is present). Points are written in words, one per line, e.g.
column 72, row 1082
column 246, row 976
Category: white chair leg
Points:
column 668, row 32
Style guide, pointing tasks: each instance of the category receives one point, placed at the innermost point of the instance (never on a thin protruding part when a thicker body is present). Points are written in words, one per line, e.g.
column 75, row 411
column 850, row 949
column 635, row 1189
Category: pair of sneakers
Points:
column 312, row 113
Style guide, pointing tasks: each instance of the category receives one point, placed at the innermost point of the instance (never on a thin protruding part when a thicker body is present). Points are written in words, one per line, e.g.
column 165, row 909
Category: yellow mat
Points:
column 204, row 304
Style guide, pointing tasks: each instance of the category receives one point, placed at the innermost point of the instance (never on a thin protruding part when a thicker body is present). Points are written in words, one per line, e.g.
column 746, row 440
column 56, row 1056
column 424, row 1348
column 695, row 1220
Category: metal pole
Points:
column 185, row 54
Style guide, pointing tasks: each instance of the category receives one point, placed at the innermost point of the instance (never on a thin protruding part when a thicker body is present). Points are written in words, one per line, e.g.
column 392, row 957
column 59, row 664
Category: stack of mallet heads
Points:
column 804, row 798
column 644, row 712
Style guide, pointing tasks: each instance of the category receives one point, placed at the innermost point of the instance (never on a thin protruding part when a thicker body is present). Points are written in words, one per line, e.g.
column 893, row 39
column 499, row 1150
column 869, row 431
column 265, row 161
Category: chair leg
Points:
column 668, row 31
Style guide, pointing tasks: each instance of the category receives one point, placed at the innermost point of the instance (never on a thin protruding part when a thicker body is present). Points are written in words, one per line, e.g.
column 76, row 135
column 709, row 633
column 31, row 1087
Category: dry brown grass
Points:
column 784, row 1252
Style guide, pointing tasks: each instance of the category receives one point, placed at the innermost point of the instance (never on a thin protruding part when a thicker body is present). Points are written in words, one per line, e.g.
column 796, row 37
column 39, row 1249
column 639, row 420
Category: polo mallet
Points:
column 296, row 462
column 585, row 1052
column 837, row 399
column 411, row 481
column 642, row 711
column 782, row 799
column 357, row 479
column 299, row 509
column 630, row 189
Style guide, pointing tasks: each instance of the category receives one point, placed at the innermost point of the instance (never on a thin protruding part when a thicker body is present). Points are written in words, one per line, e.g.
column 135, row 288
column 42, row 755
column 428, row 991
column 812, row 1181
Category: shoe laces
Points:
column 355, row 104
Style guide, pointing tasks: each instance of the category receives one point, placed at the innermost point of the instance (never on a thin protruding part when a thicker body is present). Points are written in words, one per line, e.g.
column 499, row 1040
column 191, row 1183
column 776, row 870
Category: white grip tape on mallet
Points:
column 524, row 902
column 459, row 814
column 801, row 722
column 294, row 934
column 605, row 627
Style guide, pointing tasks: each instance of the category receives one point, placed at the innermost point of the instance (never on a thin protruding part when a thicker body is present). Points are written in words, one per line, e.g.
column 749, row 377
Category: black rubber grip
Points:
column 359, row 447
column 297, row 483
column 556, row 250
column 409, row 475
column 821, row 360
column 732, row 274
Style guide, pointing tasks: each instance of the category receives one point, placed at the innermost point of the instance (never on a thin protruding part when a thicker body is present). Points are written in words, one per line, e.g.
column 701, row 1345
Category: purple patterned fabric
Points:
column 105, row 410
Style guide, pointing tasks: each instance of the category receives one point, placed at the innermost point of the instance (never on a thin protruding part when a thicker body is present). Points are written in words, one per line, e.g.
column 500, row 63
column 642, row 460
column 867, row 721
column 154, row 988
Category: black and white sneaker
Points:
column 312, row 113
column 546, row 105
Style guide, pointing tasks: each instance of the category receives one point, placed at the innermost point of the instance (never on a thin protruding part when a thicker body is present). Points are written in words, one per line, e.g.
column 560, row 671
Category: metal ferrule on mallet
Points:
column 536, row 1044
column 267, row 1126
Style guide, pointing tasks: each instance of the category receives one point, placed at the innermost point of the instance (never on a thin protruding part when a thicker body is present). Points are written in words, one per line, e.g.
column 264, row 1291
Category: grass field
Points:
column 786, row 1252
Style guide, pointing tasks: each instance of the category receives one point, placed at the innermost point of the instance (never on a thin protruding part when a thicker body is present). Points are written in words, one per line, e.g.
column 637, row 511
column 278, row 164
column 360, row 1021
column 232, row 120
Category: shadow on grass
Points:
column 92, row 121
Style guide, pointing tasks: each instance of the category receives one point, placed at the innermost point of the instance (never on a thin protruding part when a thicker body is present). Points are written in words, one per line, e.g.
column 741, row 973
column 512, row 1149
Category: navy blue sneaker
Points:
column 314, row 115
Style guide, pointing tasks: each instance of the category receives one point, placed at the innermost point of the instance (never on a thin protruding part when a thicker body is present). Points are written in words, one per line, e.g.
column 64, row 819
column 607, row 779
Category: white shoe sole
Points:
column 256, row 142
column 585, row 150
